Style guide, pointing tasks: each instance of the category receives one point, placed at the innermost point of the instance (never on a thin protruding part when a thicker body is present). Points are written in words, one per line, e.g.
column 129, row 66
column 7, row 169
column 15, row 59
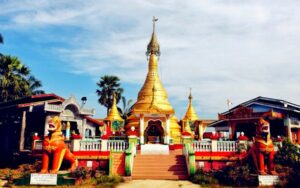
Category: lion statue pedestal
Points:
column 54, row 148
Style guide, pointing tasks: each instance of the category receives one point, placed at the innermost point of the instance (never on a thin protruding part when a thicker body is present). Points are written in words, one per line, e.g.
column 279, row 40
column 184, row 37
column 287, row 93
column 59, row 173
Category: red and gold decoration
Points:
column 263, row 148
column 54, row 148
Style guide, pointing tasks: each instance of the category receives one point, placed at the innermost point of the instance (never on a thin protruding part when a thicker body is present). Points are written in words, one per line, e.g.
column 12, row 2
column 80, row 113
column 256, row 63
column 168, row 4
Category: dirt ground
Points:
column 157, row 184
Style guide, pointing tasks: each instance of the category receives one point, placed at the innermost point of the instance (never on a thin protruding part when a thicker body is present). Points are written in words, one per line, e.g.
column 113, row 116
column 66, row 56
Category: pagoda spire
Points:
column 114, row 113
column 153, row 46
column 153, row 97
column 191, row 113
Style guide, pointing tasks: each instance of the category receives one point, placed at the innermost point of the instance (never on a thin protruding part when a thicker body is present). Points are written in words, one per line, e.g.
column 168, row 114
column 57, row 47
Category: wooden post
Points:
column 232, row 126
column 289, row 130
column 200, row 128
column 23, row 127
column 141, row 129
column 167, row 141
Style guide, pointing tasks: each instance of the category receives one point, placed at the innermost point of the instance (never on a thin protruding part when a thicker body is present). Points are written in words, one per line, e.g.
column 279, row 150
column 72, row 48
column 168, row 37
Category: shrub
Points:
column 288, row 154
column 288, row 158
column 237, row 175
column 204, row 178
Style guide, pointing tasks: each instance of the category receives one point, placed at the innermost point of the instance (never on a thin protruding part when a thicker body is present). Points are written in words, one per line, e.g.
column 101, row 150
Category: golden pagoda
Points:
column 152, row 115
column 114, row 120
column 190, row 116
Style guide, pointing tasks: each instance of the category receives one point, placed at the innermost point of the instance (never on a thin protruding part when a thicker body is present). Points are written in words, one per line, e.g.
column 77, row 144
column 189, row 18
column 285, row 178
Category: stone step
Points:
column 149, row 165
column 159, row 157
column 165, row 167
column 161, row 177
column 158, row 160
column 160, row 172
column 162, row 156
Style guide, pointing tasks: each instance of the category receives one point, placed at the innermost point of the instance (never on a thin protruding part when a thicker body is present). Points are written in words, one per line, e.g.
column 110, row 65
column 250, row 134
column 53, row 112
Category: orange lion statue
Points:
column 55, row 149
column 263, row 148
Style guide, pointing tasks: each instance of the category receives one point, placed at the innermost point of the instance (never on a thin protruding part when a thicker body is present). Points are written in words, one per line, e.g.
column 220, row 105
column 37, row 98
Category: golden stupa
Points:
column 114, row 114
column 190, row 115
column 152, row 101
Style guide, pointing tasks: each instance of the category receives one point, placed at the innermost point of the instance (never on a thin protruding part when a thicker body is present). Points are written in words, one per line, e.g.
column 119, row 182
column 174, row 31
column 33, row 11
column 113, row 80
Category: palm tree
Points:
column 1, row 39
column 1, row 42
column 126, row 108
column 34, row 84
column 107, row 86
column 15, row 79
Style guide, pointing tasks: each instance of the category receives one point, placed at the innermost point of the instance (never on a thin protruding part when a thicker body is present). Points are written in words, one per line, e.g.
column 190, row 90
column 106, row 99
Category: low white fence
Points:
column 214, row 146
column 117, row 145
column 230, row 146
column 90, row 145
column 201, row 146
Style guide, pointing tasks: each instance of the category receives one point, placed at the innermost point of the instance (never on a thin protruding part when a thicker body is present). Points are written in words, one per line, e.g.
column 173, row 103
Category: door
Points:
column 154, row 132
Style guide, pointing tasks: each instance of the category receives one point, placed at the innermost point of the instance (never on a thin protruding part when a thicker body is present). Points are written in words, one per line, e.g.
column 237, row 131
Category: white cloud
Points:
column 222, row 49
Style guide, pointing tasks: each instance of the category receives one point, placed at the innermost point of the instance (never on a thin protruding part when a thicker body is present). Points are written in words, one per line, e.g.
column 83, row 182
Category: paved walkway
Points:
column 157, row 184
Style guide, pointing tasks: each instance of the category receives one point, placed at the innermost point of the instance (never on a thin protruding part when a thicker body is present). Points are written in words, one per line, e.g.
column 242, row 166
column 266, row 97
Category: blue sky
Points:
column 233, row 50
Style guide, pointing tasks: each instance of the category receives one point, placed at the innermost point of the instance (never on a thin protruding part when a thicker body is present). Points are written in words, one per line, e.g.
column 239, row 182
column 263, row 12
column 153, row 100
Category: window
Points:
column 88, row 133
column 294, row 121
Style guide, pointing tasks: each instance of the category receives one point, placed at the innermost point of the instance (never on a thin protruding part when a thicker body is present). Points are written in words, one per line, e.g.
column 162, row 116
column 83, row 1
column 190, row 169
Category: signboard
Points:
column 43, row 179
column 89, row 164
column 201, row 164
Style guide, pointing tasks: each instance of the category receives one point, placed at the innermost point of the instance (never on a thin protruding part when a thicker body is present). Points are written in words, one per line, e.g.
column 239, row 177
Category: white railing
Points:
column 229, row 146
column 214, row 146
column 90, row 145
column 201, row 146
column 53, row 107
column 117, row 145
column 87, row 111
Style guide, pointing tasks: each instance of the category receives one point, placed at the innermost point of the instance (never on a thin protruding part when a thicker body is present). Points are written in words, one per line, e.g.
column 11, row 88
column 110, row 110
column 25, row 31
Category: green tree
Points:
column 107, row 86
column 125, row 108
column 1, row 42
column 1, row 39
column 16, row 80
column 34, row 86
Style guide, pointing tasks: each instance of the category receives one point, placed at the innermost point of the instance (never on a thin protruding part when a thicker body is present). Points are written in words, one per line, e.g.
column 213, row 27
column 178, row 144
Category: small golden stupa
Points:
column 152, row 115
column 114, row 120
column 190, row 116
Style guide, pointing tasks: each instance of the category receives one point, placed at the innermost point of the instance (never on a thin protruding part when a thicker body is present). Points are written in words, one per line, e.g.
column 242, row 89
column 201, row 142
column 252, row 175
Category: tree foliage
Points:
column 1, row 39
column 107, row 86
column 126, row 107
column 288, row 160
column 16, row 81
column 288, row 154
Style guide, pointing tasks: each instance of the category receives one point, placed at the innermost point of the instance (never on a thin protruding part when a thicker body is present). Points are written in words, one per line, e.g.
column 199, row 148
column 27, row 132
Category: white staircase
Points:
column 154, row 149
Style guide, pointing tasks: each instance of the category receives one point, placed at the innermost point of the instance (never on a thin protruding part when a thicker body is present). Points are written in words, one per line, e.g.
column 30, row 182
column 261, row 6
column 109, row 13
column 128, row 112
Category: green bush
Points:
column 237, row 175
column 204, row 178
column 288, row 154
column 288, row 160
